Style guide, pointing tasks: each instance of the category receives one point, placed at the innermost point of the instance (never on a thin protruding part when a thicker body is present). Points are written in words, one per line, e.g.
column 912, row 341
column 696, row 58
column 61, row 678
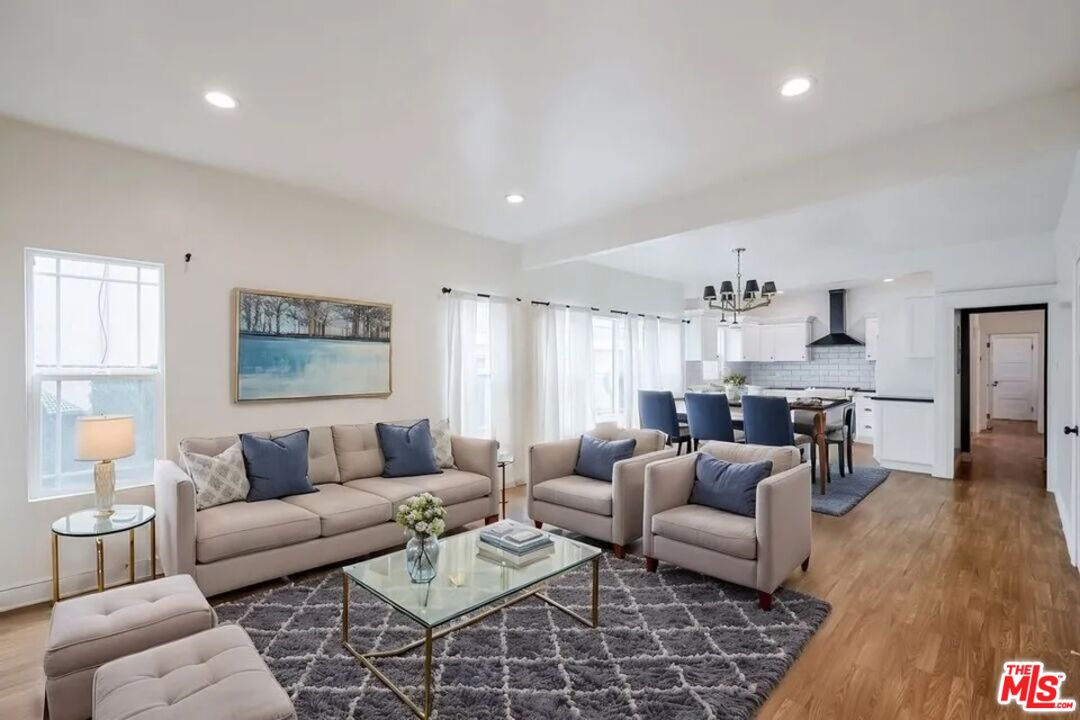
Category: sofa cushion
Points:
column 453, row 486
column 208, row 446
column 574, row 491
column 731, row 487
column 341, row 509
column 215, row 674
column 597, row 458
column 357, row 451
column 89, row 630
column 707, row 528
column 408, row 450
column 239, row 528
column 647, row 440
column 322, row 462
column 218, row 479
column 277, row 467
column 392, row 490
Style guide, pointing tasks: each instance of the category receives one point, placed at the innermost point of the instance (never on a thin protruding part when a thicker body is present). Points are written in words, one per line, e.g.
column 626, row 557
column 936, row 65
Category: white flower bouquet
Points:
column 423, row 515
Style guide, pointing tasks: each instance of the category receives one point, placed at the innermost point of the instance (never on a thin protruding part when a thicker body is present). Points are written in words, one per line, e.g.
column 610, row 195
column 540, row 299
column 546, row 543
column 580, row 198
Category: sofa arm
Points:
column 628, row 495
column 478, row 455
column 668, row 484
column 547, row 461
column 783, row 525
column 174, row 503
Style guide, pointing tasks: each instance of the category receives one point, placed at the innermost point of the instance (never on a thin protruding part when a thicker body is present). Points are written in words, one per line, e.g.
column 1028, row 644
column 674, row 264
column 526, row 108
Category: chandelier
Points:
column 738, row 299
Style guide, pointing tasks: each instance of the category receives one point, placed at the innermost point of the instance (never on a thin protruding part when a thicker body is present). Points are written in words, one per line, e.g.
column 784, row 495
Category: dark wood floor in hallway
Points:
column 934, row 584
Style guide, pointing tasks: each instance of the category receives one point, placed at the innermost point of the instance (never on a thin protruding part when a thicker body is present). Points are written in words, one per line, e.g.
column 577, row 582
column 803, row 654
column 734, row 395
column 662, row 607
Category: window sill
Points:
column 90, row 493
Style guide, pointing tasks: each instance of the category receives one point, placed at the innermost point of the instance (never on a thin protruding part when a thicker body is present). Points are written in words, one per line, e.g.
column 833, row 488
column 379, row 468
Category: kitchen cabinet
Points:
column 904, row 433
column 778, row 342
column 700, row 342
column 739, row 345
column 864, row 418
column 919, row 327
column 871, row 338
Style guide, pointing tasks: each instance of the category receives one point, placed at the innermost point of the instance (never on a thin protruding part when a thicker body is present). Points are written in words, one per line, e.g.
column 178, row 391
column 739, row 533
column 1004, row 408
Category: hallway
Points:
column 1010, row 453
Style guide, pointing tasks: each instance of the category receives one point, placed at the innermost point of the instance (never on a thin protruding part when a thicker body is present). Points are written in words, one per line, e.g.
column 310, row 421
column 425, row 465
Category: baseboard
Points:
column 40, row 590
column 907, row 467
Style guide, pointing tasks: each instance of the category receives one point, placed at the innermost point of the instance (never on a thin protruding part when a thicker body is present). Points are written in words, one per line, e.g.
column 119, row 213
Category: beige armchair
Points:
column 609, row 511
column 758, row 552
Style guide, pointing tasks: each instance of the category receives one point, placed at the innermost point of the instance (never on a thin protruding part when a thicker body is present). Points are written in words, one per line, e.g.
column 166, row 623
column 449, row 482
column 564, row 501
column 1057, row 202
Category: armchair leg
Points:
column 491, row 519
column 619, row 551
column 538, row 524
column 840, row 459
column 651, row 564
column 764, row 600
column 850, row 455
column 806, row 564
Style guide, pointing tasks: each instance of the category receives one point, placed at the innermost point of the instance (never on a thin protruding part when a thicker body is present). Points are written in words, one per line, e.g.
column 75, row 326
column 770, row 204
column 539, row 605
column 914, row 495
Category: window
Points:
column 93, row 346
column 609, row 368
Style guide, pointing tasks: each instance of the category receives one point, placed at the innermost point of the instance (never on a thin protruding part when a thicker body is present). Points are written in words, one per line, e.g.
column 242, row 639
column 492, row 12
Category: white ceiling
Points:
column 438, row 109
column 842, row 241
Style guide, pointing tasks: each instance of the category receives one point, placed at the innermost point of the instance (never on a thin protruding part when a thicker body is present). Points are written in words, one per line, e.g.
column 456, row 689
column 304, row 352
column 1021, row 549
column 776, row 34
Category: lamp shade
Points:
column 710, row 293
column 752, row 287
column 768, row 288
column 104, row 437
column 726, row 289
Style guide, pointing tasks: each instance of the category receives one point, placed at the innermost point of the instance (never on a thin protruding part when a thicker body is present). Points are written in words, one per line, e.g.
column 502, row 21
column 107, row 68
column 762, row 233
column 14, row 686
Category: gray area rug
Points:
column 672, row 645
column 848, row 491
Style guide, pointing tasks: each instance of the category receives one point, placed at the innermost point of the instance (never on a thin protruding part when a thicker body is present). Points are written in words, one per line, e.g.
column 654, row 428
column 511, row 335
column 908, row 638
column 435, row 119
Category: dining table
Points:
column 817, row 406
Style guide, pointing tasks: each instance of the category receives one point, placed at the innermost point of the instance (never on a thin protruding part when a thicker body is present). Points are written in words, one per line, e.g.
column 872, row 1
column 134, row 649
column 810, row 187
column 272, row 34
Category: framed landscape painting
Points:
column 292, row 347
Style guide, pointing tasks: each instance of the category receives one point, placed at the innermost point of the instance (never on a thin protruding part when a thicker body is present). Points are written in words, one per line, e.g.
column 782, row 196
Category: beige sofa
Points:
column 239, row 544
column 758, row 552
column 609, row 511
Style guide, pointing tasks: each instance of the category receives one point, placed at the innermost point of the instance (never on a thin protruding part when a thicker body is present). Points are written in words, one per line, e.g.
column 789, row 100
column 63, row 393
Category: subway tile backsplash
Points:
column 838, row 366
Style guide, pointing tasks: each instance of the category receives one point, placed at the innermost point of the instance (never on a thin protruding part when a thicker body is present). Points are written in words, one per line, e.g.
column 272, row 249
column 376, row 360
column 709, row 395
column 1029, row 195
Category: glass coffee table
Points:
column 465, row 584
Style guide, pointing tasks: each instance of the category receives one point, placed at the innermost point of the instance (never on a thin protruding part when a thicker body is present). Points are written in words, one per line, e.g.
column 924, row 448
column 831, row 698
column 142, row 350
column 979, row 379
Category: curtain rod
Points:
column 447, row 291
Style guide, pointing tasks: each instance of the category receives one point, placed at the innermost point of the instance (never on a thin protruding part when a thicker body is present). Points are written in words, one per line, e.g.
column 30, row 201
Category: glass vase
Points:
column 422, row 557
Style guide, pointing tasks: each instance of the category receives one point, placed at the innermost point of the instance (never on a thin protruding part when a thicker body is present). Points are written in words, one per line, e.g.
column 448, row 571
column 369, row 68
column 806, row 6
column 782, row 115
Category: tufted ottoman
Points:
column 215, row 674
column 88, row 631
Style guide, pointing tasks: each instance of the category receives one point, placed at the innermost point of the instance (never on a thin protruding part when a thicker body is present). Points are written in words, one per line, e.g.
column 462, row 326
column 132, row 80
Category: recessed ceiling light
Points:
column 793, row 87
column 889, row 280
column 221, row 100
column 515, row 198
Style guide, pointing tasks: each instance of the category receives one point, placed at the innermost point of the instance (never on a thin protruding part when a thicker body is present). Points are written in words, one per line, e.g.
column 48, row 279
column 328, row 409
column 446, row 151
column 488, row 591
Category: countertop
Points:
column 903, row 398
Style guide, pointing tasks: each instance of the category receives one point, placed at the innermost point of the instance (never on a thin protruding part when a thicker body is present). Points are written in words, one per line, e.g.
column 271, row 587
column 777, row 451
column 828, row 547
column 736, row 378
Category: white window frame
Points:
column 36, row 375
column 613, row 324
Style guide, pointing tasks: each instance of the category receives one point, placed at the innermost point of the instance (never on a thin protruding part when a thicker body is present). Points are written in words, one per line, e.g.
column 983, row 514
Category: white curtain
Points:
column 563, row 372
column 480, row 377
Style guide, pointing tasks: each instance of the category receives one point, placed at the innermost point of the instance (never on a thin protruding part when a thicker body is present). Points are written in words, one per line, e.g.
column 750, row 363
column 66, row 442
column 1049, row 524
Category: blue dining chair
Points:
column 767, row 421
column 656, row 411
column 709, row 417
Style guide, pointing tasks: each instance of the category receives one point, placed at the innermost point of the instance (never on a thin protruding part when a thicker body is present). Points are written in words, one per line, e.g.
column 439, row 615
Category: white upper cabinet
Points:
column 872, row 338
column 700, row 339
column 780, row 342
column 919, row 327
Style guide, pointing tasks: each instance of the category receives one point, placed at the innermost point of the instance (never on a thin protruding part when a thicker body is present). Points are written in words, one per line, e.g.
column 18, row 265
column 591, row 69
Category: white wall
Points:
column 63, row 192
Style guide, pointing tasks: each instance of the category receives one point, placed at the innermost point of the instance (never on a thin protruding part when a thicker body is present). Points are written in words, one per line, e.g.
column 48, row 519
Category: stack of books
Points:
column 511, row 543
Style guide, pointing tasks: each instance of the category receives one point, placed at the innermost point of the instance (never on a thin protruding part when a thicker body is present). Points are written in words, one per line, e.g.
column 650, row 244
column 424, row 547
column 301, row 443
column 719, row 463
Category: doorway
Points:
column 1002, row 380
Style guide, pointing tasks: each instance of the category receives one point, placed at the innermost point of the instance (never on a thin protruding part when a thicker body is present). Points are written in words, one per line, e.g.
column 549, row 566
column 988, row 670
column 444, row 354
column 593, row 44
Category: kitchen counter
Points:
column 902, row 398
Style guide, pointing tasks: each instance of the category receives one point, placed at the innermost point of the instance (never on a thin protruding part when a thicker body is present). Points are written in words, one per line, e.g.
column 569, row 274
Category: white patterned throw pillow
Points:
column 440, row 439
column 218, row 480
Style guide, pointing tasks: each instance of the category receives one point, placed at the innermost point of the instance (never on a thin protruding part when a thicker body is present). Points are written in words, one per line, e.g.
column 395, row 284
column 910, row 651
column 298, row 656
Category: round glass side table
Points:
column 85, row 523
column 502, row 460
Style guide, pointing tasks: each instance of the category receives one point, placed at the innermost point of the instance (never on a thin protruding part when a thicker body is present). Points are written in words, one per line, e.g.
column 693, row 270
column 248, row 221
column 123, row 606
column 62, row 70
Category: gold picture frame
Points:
column 293, row 346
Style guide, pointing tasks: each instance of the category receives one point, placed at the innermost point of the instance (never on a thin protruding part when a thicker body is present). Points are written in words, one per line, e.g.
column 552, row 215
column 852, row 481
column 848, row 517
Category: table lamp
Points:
column 104, row 438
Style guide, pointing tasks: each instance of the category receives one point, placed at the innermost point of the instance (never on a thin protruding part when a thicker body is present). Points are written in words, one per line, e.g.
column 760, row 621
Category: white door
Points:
column 1012, row 377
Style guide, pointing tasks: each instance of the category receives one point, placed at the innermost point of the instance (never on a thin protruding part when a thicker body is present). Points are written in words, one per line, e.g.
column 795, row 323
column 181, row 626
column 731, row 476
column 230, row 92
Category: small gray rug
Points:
column 848, row 491
column 672, row 645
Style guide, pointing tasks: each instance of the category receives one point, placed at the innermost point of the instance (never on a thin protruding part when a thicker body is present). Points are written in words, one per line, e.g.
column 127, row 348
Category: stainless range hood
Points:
column 837, row 323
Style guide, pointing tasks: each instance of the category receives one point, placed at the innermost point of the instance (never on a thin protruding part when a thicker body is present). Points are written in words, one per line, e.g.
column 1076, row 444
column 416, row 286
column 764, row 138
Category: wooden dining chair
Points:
column 843, row 436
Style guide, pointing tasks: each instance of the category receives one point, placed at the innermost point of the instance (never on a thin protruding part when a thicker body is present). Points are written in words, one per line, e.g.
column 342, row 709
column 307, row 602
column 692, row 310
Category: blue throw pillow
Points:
column 407, row 449
column 276, row 467
column 731, row 487
column 596, row 458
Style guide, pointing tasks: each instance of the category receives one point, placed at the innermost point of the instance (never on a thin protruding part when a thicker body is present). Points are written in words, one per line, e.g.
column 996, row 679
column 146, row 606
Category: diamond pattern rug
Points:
column 672, row 645
column 846, row 492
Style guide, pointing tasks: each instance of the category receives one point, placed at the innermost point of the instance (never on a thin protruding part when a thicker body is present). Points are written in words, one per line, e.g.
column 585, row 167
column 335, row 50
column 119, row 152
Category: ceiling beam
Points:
column 962, row 145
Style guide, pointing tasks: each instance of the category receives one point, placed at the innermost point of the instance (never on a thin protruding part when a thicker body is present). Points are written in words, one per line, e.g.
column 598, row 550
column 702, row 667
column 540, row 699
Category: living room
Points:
column 494, row 200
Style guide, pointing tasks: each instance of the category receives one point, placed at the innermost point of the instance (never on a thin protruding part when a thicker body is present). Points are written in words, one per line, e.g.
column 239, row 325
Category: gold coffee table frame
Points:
column 431, row 635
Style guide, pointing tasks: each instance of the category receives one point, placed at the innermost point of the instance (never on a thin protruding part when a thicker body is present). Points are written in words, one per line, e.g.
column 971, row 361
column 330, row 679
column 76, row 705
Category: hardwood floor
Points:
column 934, row 584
